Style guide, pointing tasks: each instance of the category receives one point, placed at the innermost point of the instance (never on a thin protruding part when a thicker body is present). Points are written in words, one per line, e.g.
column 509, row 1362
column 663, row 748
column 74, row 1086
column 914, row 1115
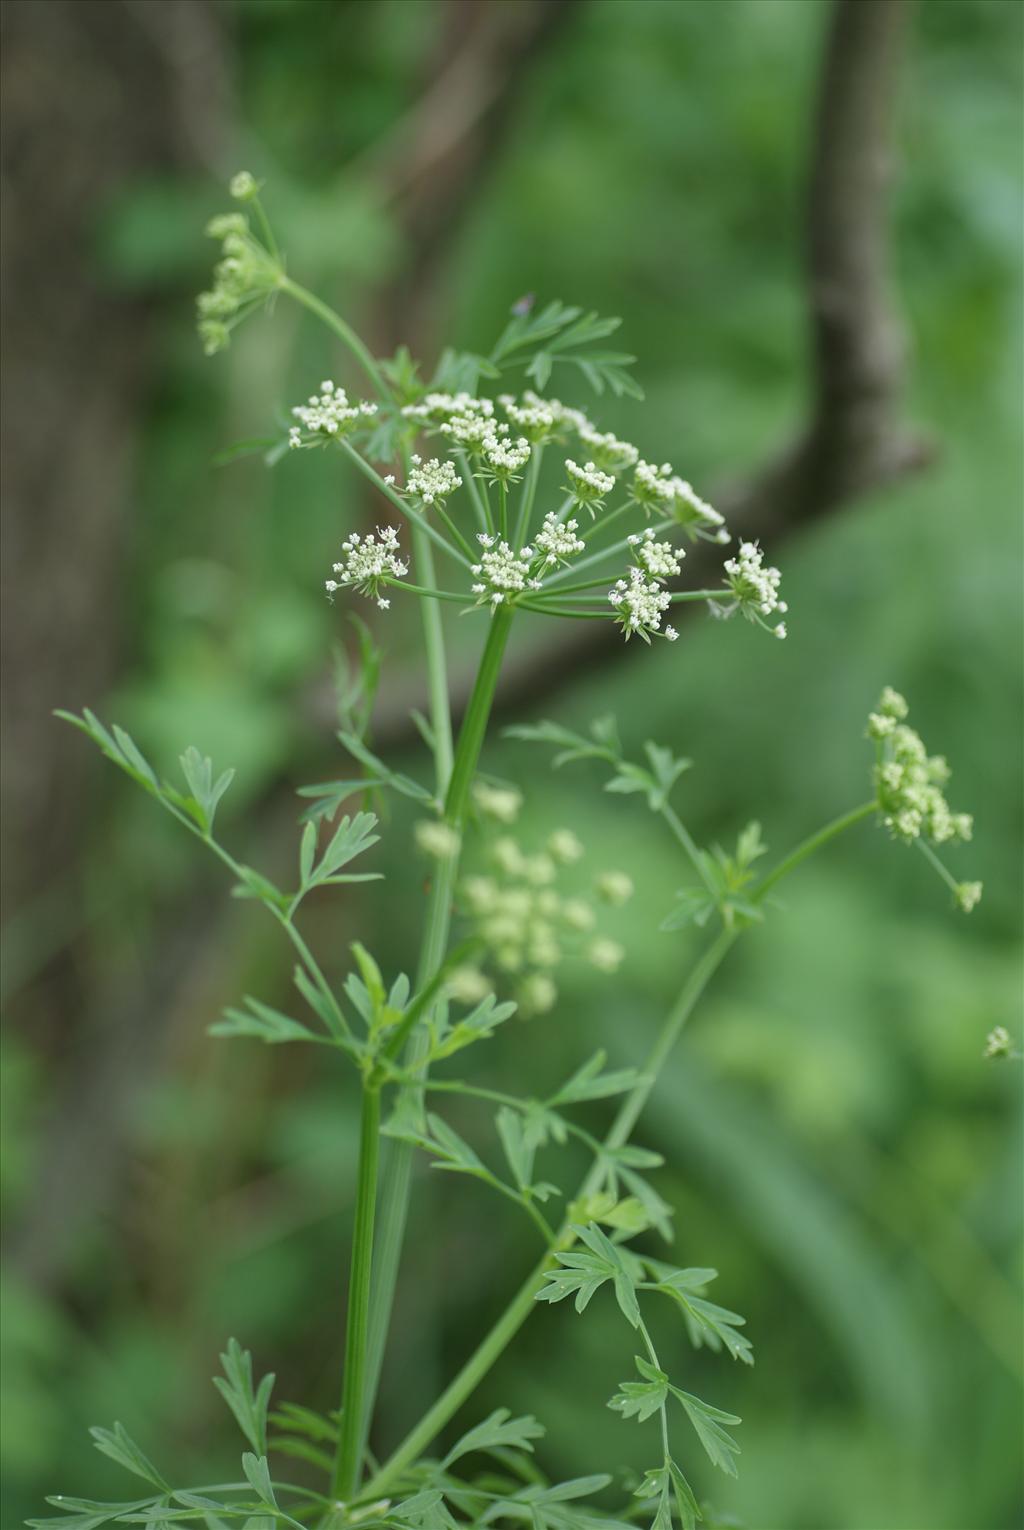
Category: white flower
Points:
column 368, row 563
column 432, row 482
column 467, row 985
column 752, row 588
column 640, row 604
column 998, row 1043
column 660, row 559
column 660, row 490
column 437, row 839
column 243, row 186
column 557, row 540
column 607, row 450
column 606, row 955
column 578, row 915
column 565, row 847
column 588, row 485
column 968, row 895
column 535, row 418
column 500, row 802
column 501, row 573
column 434, row 408
column 503, row 458
column 537, row 994
column 328, row 413
column 469, row 431
column 615, row 887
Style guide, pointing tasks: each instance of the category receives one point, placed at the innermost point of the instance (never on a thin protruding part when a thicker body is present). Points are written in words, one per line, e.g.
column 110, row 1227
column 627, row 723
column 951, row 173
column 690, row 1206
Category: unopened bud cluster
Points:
column 909, row 780
column 908, row 785
column 526, row 925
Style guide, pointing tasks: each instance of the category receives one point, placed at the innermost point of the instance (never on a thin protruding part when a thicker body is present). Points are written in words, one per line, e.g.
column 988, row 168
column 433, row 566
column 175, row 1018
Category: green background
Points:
column 835, row 1144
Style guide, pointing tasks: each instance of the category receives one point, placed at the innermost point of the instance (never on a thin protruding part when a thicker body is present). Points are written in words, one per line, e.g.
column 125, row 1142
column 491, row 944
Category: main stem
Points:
column 350, row 1446
column 397, row 1178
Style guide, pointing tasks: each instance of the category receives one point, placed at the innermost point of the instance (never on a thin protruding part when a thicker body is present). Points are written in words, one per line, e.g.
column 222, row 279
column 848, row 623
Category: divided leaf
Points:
column 708, row 1421
column 589, row 1083
column 249, row 1405
column 640, row 1399
column 262, row 1023
column 118, row 1444
column 498, row 1431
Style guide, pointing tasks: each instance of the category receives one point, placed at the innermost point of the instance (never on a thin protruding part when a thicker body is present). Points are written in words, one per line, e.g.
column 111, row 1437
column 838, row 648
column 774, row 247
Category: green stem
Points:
column 528, row 495
column 347, row 1466
column 474, row 493
column 397, row 1177
column 344, row 331
column 428, row 593
column 808, row 846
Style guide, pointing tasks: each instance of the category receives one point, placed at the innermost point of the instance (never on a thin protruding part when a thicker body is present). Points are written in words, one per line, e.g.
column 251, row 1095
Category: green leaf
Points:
column 296, row 1419
column 640, row 1399
column 118, row 1444
column 258, row 1475
column 695, row 906
column 706, row 1322
column 85, row 1514
column 206, row 793
column 708, row 1421
column 457, row 1153
column 686, row 1502
column 499, row 1430
column 572, row 746
column 479, row 1025
column 517, row 1152
column 383, row 776
column 329, row 795
column 584, row 1272
column 261, row 1023
column 249, row 1405
column 255, row 885
column 351, row 837
column 625, row 1293
column 589, row 1083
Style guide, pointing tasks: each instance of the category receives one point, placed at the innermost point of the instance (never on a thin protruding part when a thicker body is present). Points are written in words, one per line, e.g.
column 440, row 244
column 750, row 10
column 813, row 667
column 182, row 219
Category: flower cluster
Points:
column 369, row 562
column 244, row 276
column 501, row 573
column 557, row 540
column 658, row 489
column 753, row 588
column 328, row 413
column 536, row 417
column 438, row 408
column 498, row 802
column 588, row 485
column 640, row 604
column 606, row 449
column 526, row 926
column 502, row 457
column 432, row 482
column 660, row 559
column 909, row 781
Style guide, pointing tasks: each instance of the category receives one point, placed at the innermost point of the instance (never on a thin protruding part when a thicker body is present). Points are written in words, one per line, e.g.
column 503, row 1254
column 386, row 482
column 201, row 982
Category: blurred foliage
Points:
column 836, row 1146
